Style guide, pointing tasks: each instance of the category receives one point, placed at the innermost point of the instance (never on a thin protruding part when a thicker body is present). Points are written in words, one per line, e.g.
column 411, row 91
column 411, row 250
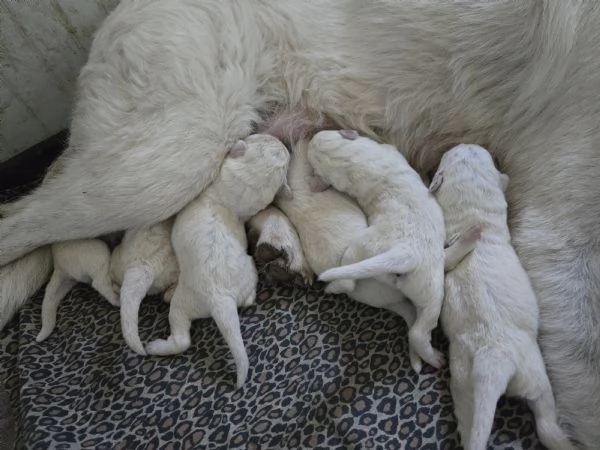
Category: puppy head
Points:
column 468, row 161
column 341, row 157
column 253, row 172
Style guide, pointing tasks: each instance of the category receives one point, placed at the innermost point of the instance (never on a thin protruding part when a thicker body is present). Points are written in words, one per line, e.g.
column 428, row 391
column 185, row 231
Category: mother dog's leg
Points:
column 166, row 89
column 555, row 230
column 101, row 192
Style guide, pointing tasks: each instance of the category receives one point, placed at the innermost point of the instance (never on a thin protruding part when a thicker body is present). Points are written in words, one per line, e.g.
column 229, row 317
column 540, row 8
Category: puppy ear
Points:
column 503, row 181
column 351, row 135
column 238, row 149
column 437, row 181
column 318, row 184
column 285, row 192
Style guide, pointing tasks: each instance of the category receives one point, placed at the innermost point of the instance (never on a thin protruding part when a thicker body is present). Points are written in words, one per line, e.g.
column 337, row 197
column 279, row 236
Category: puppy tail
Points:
column 398, row 260
column 226, row 316
column 136, row 283
column 490, row 375
column 20, row 279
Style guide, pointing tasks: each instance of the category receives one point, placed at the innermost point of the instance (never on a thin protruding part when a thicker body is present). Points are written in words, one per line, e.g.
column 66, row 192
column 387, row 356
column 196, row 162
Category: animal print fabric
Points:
column 325, row 372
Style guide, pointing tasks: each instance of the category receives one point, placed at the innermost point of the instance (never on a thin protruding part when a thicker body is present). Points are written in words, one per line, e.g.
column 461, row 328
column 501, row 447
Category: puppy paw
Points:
column 340, row 287
column 415, row 361
column 266, row 253
column 437, row 359
column 251, row 300
column 168, row 294
column 472, row 234
column 157, row 347
column 318, row 184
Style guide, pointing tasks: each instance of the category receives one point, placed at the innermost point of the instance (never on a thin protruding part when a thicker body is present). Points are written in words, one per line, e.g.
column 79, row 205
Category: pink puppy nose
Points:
column 349, row 134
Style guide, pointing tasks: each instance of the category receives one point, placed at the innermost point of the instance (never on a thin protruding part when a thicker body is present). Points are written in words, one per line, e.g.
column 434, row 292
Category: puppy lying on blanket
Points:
column 144, row 263
column 217, row 275
column 490, row 311
column 78, row 261
column 404, row 243
column 327, row 222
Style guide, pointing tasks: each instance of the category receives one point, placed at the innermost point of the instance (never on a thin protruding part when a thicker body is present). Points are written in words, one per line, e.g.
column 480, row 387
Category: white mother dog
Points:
column 170, row 86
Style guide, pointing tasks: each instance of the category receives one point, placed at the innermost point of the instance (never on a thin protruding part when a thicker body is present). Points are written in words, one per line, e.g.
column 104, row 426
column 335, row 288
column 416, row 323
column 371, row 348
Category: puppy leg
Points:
column 352, row 254
column 251, row 300
column 460, row 246
column 168, row 294
column 107, row 185
column 536, row 388
column 179, row 340
column 60, row 284
column 276, row 243
column 419, row 337
column 136, row 282
column 404, row 309
column 225, row 314
column 104, row 285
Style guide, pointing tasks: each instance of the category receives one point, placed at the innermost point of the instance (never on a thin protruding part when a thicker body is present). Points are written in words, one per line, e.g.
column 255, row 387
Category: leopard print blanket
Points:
column 325, row 372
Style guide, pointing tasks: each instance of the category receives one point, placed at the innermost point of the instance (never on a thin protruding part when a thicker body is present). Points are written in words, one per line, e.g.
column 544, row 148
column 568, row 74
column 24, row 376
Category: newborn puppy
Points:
column 404, row 243
column 490, row 311
column 217, row 275
column 143, row 263
column 327, row 222
column 78, row 261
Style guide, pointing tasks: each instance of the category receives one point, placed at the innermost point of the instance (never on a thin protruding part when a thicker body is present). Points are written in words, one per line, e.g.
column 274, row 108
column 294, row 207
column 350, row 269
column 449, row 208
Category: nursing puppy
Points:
column 143, row 263
column 490, row 311
column 216, row 273
column 404, row 243
column 327, row 223
column 80, row 261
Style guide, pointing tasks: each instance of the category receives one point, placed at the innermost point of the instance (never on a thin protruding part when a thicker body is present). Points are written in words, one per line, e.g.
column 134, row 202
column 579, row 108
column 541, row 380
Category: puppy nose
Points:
column 349, row 134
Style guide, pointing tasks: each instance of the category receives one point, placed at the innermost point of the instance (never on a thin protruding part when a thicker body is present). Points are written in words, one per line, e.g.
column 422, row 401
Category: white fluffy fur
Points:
column 143, row 263
column 490, row 311
column 78, row 261
column 327, row 222
column 170, row 85
column 217, row 275
column 404, row 243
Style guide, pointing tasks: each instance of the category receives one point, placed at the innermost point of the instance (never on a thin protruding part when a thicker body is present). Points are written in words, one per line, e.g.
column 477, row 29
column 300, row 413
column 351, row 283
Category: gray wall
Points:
column 43, row 45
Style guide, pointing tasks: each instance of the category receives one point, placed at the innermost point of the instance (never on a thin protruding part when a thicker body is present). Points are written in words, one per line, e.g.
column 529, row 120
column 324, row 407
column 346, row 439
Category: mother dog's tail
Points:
column 20, row 279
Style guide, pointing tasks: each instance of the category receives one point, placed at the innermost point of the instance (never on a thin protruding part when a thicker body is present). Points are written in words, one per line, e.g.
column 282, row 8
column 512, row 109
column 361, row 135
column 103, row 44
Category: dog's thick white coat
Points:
column 169, row 86
column 327, row 222
column 490, row 312
column 143, row 263
column 78, row 261
column 216, row 273
column 404, row 243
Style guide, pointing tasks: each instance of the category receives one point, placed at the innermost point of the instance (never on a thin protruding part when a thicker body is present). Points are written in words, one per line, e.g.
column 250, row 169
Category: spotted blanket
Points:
column 325, row 372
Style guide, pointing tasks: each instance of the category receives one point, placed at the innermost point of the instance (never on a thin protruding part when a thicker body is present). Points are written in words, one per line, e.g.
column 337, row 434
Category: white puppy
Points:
column 404, row 244
column 490, row 311
column 78, row 261
column 217, row 275
column 144, row 263
column 327, row 222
